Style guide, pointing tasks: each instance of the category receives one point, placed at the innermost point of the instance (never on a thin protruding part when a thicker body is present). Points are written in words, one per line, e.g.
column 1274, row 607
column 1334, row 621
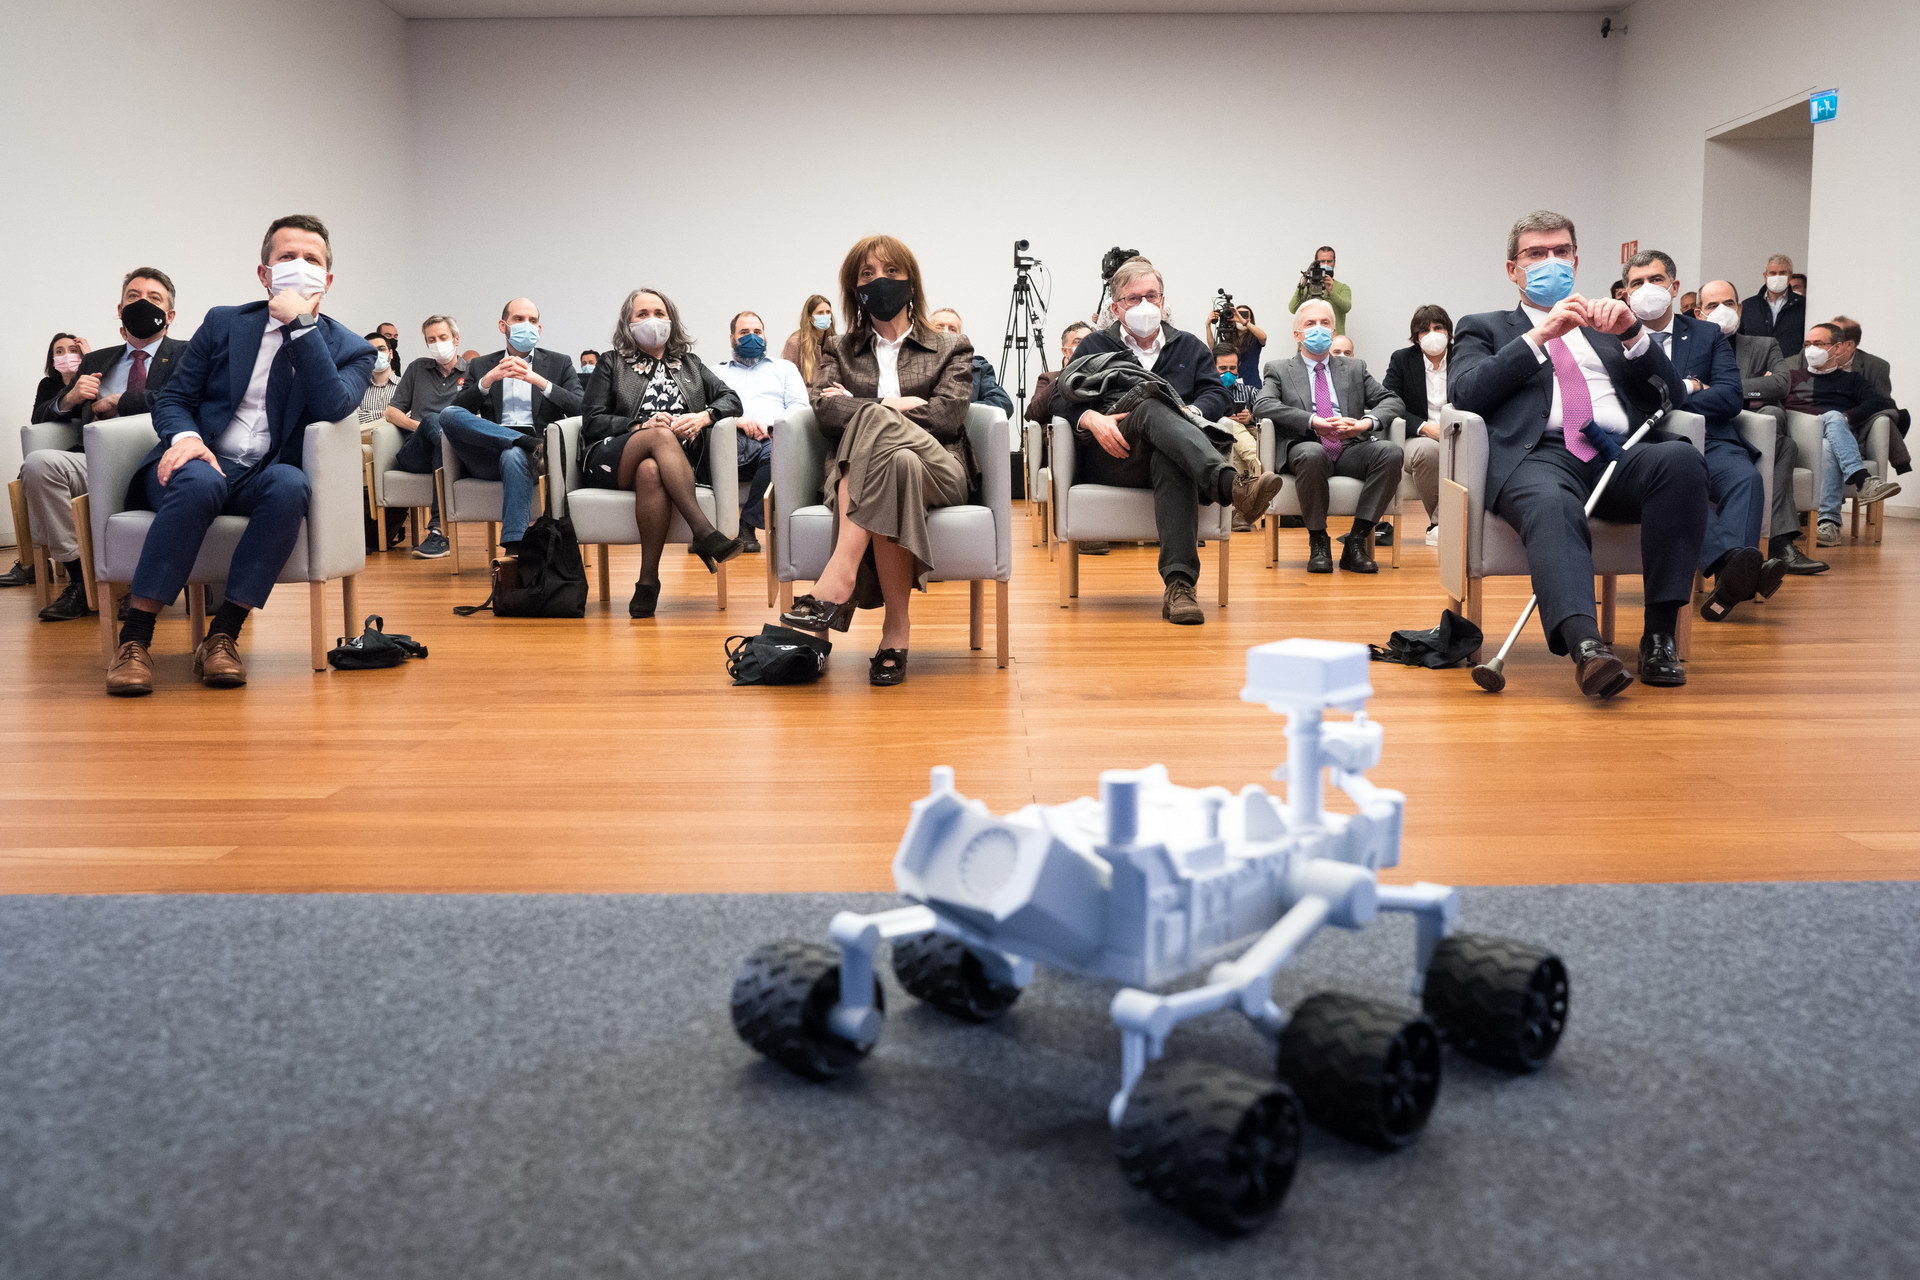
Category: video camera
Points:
column 1111, row 263
column 1315, row 278
column 1226, row 318
column 1021, row 260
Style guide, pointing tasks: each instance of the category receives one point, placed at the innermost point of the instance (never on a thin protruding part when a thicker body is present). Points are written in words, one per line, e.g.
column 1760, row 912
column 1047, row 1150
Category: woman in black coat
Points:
column 64, row 355
column 644, row 425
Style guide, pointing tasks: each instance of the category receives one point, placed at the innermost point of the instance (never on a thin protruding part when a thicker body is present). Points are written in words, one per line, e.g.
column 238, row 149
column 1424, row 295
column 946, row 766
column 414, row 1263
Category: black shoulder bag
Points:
column 547, row 580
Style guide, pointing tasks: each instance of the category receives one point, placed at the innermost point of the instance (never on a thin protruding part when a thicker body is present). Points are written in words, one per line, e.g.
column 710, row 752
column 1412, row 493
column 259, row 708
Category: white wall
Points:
column 1693, row 65
column 1739, row 233
column 722, row 161
column 170, row 136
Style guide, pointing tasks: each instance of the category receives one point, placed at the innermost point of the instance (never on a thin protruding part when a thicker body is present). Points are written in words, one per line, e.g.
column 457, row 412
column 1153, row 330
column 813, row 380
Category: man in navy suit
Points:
column 232, row 423
column 1706, row 363
column 1539, row 374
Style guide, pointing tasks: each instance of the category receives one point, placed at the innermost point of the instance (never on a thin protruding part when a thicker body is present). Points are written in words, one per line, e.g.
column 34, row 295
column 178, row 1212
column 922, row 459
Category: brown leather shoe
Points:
column 130, row 674
column 1252, row 495
column 217, row 663
column 1179, row 605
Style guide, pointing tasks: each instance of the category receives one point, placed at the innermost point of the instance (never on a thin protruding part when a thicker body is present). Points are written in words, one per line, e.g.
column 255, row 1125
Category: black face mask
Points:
column 142, row 319
column 882, row 297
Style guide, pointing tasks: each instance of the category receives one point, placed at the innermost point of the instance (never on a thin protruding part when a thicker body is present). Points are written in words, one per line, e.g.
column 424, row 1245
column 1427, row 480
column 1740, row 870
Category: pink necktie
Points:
column 1576, row 402
column 137, row 376
column 1323, row 408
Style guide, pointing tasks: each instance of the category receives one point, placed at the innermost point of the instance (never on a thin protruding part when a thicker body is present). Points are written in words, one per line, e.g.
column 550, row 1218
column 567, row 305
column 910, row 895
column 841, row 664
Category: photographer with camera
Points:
column 1317, row 282
column 1238, row 328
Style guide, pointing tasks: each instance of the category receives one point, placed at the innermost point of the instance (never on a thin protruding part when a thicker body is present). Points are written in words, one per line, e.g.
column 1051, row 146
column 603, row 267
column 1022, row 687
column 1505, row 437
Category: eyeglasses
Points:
column 1133, row 300
column 1540, row 253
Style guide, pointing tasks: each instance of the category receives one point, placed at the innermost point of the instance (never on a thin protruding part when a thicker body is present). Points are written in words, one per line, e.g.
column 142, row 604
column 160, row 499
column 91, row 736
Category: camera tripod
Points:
column 1026, row 313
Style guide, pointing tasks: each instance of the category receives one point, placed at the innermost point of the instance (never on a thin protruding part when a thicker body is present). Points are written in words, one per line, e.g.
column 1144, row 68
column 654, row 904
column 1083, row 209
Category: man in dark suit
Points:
column 1156, row 446
column 498, row 422
column 231, row 423
column 1776, row 311
column 116, row 381
column 1762, row 390
column 1705, row 361
column 1331, row 419
column 1537, row 375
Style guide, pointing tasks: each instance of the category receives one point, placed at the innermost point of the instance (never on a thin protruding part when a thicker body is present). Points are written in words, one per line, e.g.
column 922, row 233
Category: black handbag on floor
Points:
column 778, row 655
column 374, row 648
column 1448, row 645
column 547, row 580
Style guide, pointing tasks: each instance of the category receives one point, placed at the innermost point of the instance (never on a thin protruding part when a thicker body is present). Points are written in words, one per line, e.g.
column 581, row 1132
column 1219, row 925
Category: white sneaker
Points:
column 1874, row 489
column 1433, row 535
column 1829, row 535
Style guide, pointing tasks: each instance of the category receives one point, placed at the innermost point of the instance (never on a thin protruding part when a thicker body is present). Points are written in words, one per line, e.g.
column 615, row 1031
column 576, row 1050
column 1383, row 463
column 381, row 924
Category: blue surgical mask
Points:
column 381, row 361
column 1549, row 282
column 750, row 346
column 1228, row 379
column 823, row 321
column 1318, row 339
column 524, row 336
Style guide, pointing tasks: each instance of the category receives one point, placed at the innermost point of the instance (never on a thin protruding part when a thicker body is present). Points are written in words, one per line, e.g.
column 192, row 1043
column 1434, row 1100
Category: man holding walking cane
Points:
column 1538, row 375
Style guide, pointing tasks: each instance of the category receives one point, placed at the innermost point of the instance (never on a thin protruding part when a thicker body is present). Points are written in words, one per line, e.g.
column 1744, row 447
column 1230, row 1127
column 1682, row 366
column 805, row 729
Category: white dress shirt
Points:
column 768, row 387
column 115, row 382
column 887, row 355
column 1608, row 413
column 1436, row 387
column 248, row 437
column 1777, row 303
column 516, row 401
column 1148, row 354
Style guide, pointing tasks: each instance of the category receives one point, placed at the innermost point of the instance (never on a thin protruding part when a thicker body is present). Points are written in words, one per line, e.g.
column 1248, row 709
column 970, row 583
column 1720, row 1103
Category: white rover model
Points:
column 1153, row 882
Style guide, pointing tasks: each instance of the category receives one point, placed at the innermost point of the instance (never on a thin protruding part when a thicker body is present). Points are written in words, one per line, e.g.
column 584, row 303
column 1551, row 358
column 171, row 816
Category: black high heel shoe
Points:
column 812, row 614
column 715, row 548
column 646, row 596
column 887, row 667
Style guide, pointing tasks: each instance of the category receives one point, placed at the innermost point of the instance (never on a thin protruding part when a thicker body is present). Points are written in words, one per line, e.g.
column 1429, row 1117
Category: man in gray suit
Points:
column 1763, row 390
column 1331, row 418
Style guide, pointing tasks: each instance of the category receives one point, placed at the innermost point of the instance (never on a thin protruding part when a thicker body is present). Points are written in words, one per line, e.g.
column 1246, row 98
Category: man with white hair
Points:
column 1331, row 417
column 1148, row 443
column 1776, row 311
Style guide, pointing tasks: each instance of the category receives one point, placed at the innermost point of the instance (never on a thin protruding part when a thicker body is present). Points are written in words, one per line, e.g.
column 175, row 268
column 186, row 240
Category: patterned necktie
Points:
column 1576, row 402
column 1323, row 408
column 137, row 376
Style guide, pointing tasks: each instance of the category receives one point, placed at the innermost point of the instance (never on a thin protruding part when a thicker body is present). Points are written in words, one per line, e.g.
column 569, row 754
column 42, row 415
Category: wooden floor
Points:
column 612, row 755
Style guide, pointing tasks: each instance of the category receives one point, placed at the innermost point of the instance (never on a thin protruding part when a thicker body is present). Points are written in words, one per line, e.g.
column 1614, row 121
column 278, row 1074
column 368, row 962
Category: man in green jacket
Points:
column 1317, row 282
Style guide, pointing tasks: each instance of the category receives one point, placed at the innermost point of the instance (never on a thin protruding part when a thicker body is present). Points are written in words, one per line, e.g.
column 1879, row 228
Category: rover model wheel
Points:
column 1218, row 1145
column 781, row 998
column 1364, row 1070
column 944, row 973
column 1497, row 1000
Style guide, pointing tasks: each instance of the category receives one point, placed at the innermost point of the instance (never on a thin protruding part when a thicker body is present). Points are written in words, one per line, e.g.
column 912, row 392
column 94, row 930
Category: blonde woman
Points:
column 816, row 327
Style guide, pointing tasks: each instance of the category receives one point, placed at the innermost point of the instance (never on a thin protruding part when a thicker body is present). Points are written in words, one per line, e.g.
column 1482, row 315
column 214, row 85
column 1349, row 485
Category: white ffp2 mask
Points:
column 1434, row 344
column 1650, row 301
column 1142, row 320
column 1817, row 358
column 1726, row 317
column 1776, row 284
column 299, row 275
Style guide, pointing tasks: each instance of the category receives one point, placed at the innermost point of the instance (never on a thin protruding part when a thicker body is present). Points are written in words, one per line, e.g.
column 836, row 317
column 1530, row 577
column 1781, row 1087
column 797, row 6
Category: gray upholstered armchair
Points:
column 36, row 436
column 1811, row 442
column 388, row 487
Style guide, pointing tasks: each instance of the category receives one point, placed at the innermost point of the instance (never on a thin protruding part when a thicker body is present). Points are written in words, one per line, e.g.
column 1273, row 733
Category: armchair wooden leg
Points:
column 83, row 536
column 786, row 597
column 975, row 623
column 720, row 586
column 196, row 613
column 452, row 531
column 1609, row 598
column 606, row 580
column 1683, row 633
column 493, row 541
column 350, row 605
column 1273, row 541
column 1226, row 563
column 1000, row 645
column 42, row 574
column 109, row 623
column 1395, row 523
column 413, row 526
column 29, row 551
column 317, row 623
column 1069, row 552
column 1472, row 607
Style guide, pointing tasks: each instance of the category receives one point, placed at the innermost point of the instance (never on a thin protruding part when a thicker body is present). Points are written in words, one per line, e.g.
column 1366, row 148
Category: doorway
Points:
column 1758, row 195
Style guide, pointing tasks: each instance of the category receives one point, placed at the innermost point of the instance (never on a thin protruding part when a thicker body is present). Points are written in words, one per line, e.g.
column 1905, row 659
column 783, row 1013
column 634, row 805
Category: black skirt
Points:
column 600, row 464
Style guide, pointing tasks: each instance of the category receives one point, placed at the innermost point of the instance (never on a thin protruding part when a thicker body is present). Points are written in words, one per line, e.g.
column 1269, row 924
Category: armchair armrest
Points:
column 115, row 449
column 989, row 433
column 1062, row 462
column 1809, row 440
column 723, row 466
column 1463, row 462
column 563, row 463
column 799, row 477
column 336, row 542
column 1689, row 426
column 1758, row 431
column 48, row 435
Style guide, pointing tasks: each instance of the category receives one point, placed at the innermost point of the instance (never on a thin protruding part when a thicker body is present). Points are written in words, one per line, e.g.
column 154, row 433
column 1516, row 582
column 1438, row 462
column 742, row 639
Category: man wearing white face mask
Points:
column 232, row 423
column 1704, row 359
column 498, row 422
column 1776, row 311
column 1844, row 401
column 429, row 385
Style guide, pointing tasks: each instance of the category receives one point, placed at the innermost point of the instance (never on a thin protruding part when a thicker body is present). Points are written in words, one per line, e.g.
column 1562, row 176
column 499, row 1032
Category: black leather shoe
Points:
column 1737, row 582
column 715, row 548
column 1800, row 564
column 1599, row 673
column 1357, row 557
column 1772, row 574
column 646, row 598
column 887, row 667
column 72, row 604
column 1320, row 553
column 810, row 613
column 1660, row 661
column 21, row 575
column 748, row 543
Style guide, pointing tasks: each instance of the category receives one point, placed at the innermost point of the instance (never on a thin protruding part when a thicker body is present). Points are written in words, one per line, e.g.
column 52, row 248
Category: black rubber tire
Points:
column 781, row 998
column 1218, row 1145
column 1364, row 1070
column 945, row 974
column 1496, row 1000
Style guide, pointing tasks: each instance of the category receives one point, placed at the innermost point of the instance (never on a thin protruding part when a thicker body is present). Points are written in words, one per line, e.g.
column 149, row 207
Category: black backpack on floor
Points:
column 548, row 579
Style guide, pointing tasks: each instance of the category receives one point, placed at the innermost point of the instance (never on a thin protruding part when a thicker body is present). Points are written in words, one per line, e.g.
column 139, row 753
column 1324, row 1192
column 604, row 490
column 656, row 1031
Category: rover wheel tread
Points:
column 781, row 998
column 1499, row 1001
column 1364, row 1070
column 944, row 973
column 1217, row 1145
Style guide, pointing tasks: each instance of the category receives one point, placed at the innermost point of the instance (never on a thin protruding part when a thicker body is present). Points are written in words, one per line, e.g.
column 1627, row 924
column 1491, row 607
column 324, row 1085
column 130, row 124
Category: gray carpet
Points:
column 547, row 1087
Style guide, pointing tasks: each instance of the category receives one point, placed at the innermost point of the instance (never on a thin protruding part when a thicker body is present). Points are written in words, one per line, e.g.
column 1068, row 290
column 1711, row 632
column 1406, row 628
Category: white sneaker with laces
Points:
column 1829, row 535
column 1433, row 535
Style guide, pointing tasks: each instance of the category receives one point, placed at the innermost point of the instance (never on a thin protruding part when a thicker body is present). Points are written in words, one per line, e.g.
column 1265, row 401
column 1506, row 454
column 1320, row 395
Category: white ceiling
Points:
column 811, row 8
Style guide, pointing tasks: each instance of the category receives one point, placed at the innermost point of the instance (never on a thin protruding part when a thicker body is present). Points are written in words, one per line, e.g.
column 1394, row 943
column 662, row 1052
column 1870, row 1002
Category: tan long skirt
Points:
column 895, row 472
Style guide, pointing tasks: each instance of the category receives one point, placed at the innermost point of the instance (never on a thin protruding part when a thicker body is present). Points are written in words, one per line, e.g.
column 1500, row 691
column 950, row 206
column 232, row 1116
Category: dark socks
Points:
column 1223, row 486
column 73, row 570
column 228, row 619
column 1575, row 629
column 1362, row 530
column 1661, row 619
column 1858, row 478
column 1778, row 544
column 1713, row 570
column 138, row 628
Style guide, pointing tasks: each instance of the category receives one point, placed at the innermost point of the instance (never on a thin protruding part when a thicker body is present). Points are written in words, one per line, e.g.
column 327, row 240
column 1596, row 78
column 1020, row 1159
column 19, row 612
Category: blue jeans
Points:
column 272, row 497
column 1842, row 460
column 420, row 454
column 486, row 450
column 756, row 468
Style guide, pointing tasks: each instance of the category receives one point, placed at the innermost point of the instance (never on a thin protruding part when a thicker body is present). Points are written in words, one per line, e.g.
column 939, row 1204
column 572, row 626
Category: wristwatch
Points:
column 301, row 323
column 1631, row 334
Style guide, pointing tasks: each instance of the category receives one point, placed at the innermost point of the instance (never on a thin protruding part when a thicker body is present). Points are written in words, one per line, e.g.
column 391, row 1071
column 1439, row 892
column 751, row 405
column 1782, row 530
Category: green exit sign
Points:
column 1822, row 107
